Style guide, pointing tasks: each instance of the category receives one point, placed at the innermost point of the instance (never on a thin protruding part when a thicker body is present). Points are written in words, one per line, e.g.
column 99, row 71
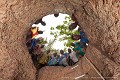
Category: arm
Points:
column 40, row 32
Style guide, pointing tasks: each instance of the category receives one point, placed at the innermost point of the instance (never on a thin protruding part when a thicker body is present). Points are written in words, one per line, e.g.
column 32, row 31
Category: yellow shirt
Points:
column 34, row 31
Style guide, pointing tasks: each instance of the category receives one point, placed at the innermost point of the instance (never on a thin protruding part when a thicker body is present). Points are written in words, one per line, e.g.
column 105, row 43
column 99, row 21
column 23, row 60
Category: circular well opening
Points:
column 49, row 41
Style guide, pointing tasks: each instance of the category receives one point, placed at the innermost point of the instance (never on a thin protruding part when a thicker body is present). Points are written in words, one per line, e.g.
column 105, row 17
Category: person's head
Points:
column 55, row 54
column 79, row 29
column 43, row 23
column 69, row 50
column 34, row 27
column 61, row 51
column 56, row 15
column 42, row 46
column 48, row 51
column 73, row 25
column 58, row 56
column 73, row 17
column 75, row 37
column 40, row 32
column 72, row 44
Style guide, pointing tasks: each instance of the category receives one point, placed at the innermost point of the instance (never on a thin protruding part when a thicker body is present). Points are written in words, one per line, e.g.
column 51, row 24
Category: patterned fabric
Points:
column 73, row 57
column 43, row 59
column 52, row 61
column 34, row 32
column 78, row 50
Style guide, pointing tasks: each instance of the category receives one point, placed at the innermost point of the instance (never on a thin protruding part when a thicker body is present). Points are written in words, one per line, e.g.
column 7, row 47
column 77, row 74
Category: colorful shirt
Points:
column 34, row 32
column 43, row 59
column 78, row 50
column 83, row 37
column 73, row 57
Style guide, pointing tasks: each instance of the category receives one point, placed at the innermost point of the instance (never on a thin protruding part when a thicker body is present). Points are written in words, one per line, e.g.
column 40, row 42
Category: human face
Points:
column 69, row 50
column 76, row 37
column 61, row 51
column 72, row 26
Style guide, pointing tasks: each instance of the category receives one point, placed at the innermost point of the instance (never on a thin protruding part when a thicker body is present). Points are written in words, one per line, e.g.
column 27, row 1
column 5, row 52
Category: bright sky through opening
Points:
column 52, row 21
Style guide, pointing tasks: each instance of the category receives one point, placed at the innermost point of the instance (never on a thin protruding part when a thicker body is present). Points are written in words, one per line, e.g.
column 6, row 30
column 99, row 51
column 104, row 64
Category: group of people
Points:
column 42, row 57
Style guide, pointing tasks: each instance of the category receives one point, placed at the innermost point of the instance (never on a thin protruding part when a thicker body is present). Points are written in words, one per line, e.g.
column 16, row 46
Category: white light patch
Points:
column 51, row 21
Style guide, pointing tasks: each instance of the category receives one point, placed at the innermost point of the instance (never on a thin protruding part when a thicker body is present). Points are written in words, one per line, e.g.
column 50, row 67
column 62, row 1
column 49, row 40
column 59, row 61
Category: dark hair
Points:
column 36, row 47
column 43, row 23
column 75, row 35
column 42, row 46
column 69, row 50
column 61, row 51
column 79, row 29
column 55, row 53
column 73, row 25
column 72, row 37
column 48, row 51
column 33, row 27
column 73, row 17
column 72, row 44
column 38, row 21
column 56, row 15
column 40, row 32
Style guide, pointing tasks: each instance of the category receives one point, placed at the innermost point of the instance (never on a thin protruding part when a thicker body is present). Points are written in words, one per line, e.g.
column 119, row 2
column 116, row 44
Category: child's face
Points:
column 76, row 37
column 55, row 54
column 72, row 27
column 83, row 49
column 61, row 51
column 69, row 50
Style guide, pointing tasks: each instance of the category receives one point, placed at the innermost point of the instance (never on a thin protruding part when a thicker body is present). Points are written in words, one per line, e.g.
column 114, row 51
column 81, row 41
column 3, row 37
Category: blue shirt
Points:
column 63, row 56
column 83, row 37
column 85, row 40
column 82, row 34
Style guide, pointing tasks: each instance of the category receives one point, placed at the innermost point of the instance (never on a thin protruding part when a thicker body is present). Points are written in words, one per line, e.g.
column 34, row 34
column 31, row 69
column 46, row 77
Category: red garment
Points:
column 33, row 34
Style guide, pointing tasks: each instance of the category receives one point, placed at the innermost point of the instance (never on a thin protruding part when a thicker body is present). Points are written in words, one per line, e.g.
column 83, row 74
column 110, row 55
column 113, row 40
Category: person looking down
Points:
column 35, row 32
column 83, row 40
column 72, row 59
column 63, row 59
column 80, row 52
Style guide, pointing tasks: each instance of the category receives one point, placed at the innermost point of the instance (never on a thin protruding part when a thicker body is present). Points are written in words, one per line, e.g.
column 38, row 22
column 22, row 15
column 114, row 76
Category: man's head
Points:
column 56, row 15
column 69, row 50
column 79, row 29
column 40, row 21
column 55, row 54
column 75, row 37
column 42, row 46
column 34, row 27
column 73, row 25
column 43, row 23
column 36, row 47
column 48, row 51
column 40, row 32
column 61, row 51
column 72, row 44
column 73, row 17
